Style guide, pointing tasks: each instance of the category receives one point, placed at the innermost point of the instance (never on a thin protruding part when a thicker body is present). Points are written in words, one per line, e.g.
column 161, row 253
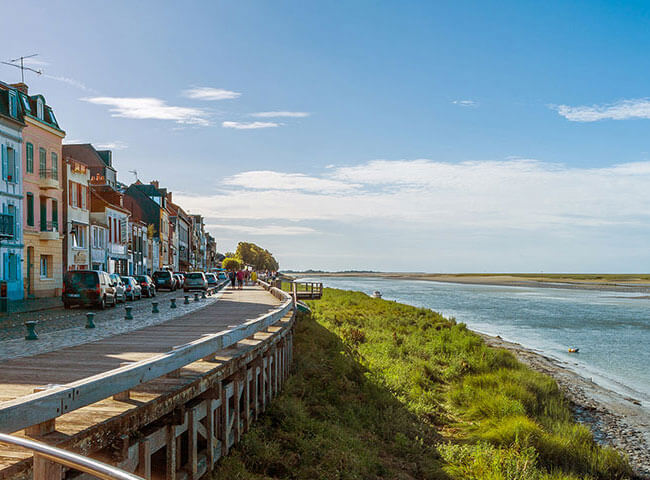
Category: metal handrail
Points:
column 69, row 459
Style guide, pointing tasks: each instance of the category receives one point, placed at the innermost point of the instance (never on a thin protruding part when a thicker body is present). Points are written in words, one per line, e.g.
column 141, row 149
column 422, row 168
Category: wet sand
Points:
column 614, row 419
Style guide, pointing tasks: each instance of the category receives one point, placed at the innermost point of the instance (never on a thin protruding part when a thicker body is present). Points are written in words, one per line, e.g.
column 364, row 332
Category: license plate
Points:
column 75, row 295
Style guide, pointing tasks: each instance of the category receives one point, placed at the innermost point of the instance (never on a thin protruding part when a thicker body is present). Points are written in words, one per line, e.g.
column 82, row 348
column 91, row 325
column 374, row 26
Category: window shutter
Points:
column 70, row 192
column 5, row 266
column 3, row 152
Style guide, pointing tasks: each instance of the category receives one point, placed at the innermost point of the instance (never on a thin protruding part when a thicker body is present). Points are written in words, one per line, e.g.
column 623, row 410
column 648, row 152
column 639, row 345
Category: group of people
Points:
column 238, row 278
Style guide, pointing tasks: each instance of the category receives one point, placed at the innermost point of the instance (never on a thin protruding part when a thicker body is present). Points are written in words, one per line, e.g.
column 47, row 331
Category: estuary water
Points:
column 611, row 329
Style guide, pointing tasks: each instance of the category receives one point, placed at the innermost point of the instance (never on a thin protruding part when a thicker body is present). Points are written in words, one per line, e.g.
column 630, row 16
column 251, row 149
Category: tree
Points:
column 259, row 258
column 230, row 264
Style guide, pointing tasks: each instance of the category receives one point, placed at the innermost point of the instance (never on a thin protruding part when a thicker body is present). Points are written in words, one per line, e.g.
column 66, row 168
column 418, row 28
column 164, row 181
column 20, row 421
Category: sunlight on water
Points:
column 611, row 329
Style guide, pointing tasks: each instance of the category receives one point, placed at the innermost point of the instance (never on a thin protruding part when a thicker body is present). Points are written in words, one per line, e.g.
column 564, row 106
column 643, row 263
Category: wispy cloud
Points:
column 622, row 110
column 70, row 81
column 209, row 93
column 116, row 145
column 249, row 125
column 151, row 108
column 280, row 114
column 270, row 180
column 465, row 103
column 263, row 229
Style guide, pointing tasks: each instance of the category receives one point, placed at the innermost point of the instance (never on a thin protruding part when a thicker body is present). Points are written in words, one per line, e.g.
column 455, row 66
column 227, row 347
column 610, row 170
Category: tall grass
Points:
column 385, row 390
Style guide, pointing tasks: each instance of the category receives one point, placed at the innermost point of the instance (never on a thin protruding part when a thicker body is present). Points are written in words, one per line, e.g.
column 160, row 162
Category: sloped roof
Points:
column 84, row 153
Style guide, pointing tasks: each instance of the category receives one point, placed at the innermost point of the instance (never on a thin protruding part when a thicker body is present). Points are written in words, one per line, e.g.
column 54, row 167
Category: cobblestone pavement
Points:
column 63, row 328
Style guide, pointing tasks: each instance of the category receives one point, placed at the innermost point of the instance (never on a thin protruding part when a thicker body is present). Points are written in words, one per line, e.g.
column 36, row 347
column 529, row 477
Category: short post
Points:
column 203, row 294
column 89, row 320
column 196, row 297
column 187, row 300
column 154, row 307
column 173, row 303
column 31, row 332
column 129, row 315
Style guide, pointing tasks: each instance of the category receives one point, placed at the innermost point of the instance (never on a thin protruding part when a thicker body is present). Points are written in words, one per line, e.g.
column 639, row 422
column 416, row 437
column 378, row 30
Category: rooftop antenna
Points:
column 12, row 63
column 134, row 172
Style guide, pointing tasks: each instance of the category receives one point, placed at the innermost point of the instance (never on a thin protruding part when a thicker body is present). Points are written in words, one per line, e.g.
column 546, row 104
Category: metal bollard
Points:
column 129, row 315
column 90, row 316
column 173, row 305
column 154, row 307
column 196, row 297
column 187, row 300
column 203, row 294
column 31, row 332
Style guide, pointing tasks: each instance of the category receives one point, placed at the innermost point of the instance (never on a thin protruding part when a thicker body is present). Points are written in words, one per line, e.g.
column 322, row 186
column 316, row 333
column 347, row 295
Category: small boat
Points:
column 302, row 307
column 376, row 294
column 574, row 350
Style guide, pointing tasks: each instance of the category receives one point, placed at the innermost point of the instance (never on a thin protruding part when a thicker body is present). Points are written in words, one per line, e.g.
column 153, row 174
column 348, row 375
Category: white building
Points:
column 76, row 215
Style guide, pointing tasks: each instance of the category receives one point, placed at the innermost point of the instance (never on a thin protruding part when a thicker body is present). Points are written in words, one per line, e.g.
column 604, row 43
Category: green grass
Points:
column 384, row 390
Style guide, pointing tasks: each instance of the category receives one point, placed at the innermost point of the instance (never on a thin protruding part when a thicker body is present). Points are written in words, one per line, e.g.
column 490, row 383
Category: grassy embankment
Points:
column 384, row 390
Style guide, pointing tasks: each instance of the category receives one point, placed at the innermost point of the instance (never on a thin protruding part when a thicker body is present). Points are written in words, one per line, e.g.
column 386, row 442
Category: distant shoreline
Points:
column 606, row 282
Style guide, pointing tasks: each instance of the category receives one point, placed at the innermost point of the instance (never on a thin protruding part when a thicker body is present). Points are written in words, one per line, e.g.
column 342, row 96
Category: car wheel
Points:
column 102, row 303
column 66, row 305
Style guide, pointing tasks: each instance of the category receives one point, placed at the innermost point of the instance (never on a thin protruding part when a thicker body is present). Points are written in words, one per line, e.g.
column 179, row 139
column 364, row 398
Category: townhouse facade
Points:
column 43, row 195
column 11, row 194
column 76, row 215
column 107, row 208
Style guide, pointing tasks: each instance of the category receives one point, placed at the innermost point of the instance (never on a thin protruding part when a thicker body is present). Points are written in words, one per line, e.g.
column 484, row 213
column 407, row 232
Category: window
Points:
column 42, row 162
column 83, row 193
column 39, row 109
column 29, row 164
column 13, row 104
column 55, row 166
column 10, row 266
column 46, row 266
column 30, row 209
column 78, row 236
column 11, row 165
column 55, row 215
column 26, row 105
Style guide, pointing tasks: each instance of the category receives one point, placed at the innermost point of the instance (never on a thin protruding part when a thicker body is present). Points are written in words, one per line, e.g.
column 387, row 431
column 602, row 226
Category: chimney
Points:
column 22, row 87
column 155, row 183
column 169, row 197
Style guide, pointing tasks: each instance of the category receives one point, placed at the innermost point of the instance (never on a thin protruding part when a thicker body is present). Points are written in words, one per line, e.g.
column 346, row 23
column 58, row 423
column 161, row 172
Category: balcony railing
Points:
column 7, row 223
column 49, row 226
column 49, row 174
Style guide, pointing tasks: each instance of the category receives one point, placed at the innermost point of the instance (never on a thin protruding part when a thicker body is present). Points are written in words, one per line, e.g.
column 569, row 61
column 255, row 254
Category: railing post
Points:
column 45, row 469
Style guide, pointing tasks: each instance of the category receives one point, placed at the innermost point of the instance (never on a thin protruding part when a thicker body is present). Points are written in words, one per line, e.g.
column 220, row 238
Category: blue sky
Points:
column 429, row 136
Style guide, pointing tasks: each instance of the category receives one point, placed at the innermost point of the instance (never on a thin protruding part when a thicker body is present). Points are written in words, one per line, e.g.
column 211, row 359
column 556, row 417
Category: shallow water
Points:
column 611, row 329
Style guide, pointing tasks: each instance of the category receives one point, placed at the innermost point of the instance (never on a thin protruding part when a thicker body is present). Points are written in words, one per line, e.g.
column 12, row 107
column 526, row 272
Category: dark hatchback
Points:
column 88, row 287
column 164, row 279
column 147, row 285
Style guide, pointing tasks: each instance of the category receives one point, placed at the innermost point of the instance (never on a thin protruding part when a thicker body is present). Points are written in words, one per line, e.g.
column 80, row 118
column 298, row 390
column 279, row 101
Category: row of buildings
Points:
column 63, row 209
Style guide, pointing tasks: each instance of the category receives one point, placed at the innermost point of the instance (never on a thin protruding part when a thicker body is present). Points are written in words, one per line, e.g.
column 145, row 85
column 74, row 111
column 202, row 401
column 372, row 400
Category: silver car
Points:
column 195, row 281
column 120, row 289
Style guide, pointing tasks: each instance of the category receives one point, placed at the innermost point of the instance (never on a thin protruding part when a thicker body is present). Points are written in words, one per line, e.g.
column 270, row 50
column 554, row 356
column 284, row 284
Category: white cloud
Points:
column 151, row 108
column 623, row 110
column 249, row 125
column 438, row 196
column 263, row 230
column 280, row 114
column 209, row 93
column 465, row 103
column 116, row 145
column 70, row 81
column 270, row 180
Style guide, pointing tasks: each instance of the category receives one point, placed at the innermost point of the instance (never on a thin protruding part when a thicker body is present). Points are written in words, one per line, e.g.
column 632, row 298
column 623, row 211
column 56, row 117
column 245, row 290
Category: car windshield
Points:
column 126, row 279
column 141, row 278
column 161, row 275
column 195, row 276
column 82, row 279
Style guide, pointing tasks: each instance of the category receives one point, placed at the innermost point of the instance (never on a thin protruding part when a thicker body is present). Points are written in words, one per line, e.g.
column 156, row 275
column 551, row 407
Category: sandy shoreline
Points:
column 613, row 418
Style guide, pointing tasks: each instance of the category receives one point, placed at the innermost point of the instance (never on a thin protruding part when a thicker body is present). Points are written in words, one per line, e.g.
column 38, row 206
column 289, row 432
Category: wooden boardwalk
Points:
column 21, row 376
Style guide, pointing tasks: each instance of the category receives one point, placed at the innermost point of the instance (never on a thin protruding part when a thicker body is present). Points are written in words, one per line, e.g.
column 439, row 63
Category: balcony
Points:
column 48, row 179
column 49, row 231
column 6, row 226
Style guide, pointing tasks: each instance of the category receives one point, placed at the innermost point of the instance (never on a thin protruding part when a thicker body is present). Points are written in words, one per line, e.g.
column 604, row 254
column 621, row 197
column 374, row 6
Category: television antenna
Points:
column 135, row 173
column 12, row 63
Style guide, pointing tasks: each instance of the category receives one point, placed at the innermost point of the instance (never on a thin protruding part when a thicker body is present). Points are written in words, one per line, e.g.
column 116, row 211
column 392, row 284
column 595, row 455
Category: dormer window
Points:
column 26, row 105
column 39, row 109
column 52, row 117
column 13, row 104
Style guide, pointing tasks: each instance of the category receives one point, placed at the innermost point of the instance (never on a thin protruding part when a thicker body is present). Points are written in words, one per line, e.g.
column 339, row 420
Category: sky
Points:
column 458, row 136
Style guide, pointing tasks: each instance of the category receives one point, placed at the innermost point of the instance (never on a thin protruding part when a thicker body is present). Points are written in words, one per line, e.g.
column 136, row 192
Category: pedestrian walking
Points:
column 240, row 279
column 232, row 277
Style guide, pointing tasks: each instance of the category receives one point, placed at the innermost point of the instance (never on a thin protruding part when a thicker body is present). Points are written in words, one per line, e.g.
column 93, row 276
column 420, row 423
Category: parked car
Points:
column 212, row 280
column 180, row 280
column 164, row 279
column 195, row 281
column 132, row 289
column 88, row 287
column 147, row 285
column 222, row 276
column 119, row 288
